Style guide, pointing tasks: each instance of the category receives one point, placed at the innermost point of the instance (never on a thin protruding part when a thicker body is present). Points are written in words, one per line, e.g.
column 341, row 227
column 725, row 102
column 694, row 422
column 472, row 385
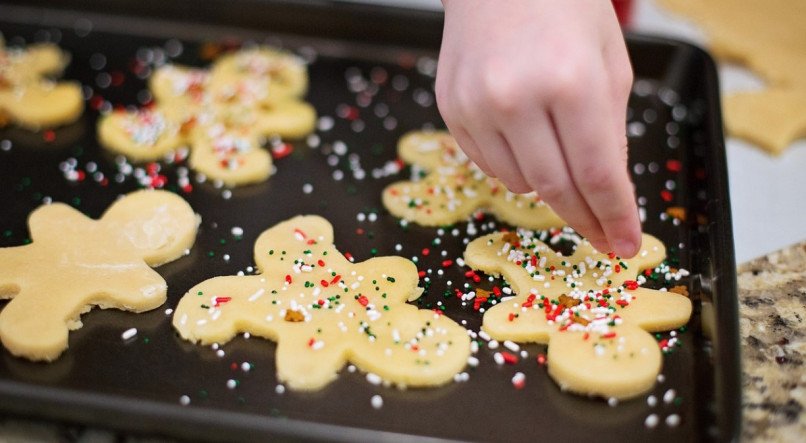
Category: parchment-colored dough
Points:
column 75, row 263
column 346, row 312
column 768, row 37
column 453, row 188
column 224, row 115
column 631, row 358
column 27, row 97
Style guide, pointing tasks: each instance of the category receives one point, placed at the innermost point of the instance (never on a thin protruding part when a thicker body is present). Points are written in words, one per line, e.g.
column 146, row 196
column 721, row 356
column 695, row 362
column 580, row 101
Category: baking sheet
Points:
column 137, row 385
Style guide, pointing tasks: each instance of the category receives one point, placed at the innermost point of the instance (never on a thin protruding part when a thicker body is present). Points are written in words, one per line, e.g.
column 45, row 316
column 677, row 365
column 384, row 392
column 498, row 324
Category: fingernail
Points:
column 625, row 248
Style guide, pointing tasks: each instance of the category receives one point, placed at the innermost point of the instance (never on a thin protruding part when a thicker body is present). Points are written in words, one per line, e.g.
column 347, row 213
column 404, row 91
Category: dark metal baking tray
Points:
column 135, row 386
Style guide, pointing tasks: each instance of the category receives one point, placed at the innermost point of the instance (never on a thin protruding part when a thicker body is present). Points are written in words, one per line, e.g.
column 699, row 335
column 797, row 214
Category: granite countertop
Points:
column 772, row 307
column 772, row 296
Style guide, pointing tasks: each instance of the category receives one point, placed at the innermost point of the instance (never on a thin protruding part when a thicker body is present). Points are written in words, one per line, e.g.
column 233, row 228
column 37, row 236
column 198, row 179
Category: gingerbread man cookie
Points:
column 27, row 97
column 223, row 114
column 75, row 263
column 454, row 187
column 323, row 311
column 588, row 307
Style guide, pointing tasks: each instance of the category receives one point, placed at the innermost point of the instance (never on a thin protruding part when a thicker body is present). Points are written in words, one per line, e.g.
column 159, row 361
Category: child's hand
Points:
column 535, row 92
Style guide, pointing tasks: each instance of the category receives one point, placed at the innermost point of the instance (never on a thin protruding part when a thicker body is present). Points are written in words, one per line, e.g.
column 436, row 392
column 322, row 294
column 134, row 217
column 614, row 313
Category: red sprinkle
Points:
column 631, row 285
column 509, row 358
column 541, row 359
column 221, row 300
column 363, row 300
column 673, row 165
column 49, row 136
column 288, row 279
column 666, row 195
column 447, row 263
column 421, row 274
column 609, row 335
column 425, row 252
column 282, row 150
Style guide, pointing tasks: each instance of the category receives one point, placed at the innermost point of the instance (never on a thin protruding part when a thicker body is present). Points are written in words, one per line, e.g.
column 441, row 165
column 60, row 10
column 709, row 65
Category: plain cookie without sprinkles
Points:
column 324, row 311
column 75, row 263
column 588, row 307
column 453, row 188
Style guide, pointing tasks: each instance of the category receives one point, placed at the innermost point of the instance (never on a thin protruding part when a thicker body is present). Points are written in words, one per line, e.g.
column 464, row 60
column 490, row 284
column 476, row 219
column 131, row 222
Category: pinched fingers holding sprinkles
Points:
column 323, row 311
column 588, row 307
column 75, row 263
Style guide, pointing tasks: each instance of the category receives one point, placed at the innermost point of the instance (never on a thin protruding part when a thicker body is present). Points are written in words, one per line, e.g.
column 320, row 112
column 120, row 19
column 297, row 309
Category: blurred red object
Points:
column 623, row 11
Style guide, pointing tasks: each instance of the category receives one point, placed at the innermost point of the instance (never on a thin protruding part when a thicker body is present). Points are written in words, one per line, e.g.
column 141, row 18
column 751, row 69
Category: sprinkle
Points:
column 509, row 358
column 499, row 359
column 377, row 401
column 651, row 421
column 279, row 389
column 512, row 346
column 129, row 333
column 374, row 379
column 668, row 396
column 184, row 400
column 519, row 380
column 651, row 400
column 673, row 420
column 612, row 402
column 232, row 384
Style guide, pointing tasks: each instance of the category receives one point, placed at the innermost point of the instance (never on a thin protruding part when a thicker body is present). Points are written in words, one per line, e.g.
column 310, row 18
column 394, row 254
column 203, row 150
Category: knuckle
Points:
column 550, row 190
column 501, row 90
column 595, row 178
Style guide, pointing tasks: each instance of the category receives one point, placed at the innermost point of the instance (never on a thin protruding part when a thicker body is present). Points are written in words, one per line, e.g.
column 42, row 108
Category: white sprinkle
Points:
column 612, row 402
column 512, row 346
column 493, row 344
column 307, row 188
column 169, row 311
column 472, row 361
column 377, row 401
column 661, row 378
column 499, row 359
column 374, row 379
column 651, row 421
column 237, row 231
column 518, row 380
column 184, row 400
column 669, row 396
column 651, row 400
column 246, row 367
column 351, row 368
column 279, row 389
column 231, row 384
column 129, row 333
column 220, row 353
column 673, row 420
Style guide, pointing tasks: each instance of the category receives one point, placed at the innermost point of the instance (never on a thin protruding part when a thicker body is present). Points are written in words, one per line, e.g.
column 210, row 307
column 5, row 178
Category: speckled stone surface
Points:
column 772, row 305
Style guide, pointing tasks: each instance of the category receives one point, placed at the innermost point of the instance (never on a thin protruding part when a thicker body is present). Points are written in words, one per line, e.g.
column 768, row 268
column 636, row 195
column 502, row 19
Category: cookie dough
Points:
column 588, row 307
column 324, row 311
column 768, row 38
column 75, row 263
column 27, row 97
column 453, row 187
column 223, row 114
